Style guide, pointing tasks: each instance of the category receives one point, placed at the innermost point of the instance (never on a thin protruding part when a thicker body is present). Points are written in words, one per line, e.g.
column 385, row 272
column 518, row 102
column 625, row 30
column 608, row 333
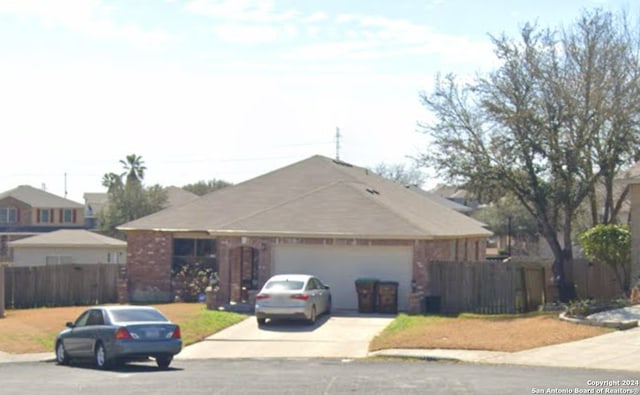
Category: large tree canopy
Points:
column 558, row 116
column 203, row 187
column 128, row 198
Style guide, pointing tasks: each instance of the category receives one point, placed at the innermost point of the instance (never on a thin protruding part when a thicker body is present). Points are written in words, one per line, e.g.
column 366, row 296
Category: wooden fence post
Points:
column 2, row 290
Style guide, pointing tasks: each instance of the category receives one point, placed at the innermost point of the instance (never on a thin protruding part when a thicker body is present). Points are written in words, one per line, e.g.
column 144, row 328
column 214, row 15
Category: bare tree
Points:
column 405, row 175
column 546, row 126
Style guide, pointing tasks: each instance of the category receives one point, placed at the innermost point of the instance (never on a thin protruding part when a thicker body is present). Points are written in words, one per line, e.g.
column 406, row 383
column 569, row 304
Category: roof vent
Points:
column 372, row 191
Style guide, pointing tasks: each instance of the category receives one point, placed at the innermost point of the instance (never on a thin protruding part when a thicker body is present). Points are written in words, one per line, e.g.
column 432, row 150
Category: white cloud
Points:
column 366, row 37
column 247, row 34
column 90, row 17
column 240, row 10
column 316, row 17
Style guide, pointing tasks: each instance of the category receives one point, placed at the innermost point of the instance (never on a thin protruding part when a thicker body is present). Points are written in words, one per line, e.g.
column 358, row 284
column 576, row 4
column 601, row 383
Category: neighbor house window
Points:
column 45, row 216
column 8, row 215
column 67, row 215
column 58, row 260
column 113, row 257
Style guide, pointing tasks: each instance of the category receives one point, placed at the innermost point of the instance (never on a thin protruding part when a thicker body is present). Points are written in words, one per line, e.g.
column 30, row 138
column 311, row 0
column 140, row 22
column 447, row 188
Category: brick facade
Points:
column 149, row 260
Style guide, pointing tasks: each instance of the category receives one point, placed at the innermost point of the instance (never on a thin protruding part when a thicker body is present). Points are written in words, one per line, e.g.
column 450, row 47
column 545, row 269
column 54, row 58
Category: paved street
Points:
column 302, row 376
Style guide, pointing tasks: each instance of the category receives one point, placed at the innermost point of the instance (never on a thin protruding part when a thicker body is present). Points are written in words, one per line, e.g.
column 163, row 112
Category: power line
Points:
column 337, row 143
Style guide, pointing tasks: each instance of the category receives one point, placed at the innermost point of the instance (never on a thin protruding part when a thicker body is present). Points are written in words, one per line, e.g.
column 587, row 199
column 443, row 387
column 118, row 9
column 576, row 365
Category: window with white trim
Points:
column 58, row 260
column 45, row 216
column 113, row 257
column 67, row 215
column 8, row 215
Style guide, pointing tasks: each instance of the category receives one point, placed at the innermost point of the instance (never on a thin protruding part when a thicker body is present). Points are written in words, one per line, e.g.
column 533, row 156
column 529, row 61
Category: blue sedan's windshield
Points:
column 136, row 315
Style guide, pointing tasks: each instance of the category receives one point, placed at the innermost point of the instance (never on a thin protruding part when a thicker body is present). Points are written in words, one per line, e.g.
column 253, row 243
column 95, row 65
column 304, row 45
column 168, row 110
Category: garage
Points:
column 340, row 266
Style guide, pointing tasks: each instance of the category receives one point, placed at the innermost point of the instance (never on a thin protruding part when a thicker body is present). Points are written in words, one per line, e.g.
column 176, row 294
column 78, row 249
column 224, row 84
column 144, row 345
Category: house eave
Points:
column 311, row 235
column 51, row 245
column 338, row 235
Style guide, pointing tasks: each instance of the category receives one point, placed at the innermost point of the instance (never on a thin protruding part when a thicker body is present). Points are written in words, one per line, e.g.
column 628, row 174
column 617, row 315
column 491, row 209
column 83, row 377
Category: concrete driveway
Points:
column 336, row 336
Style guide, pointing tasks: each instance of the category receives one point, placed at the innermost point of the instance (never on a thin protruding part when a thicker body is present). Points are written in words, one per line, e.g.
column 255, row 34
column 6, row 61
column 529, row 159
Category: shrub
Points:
column 191, row 280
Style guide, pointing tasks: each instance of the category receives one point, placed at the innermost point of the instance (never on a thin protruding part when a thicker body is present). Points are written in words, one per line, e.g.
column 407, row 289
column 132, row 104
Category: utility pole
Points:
column 337, row 143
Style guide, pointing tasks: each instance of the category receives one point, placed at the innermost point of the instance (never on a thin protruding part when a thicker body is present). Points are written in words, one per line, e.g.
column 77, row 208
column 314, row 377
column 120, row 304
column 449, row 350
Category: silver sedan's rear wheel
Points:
column 261, row 321
column 313, row 315
column 62, row 358
column 100, row 357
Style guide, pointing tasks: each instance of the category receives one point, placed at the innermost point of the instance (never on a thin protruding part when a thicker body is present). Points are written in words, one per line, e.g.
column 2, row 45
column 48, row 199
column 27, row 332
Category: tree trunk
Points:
column 566, row 291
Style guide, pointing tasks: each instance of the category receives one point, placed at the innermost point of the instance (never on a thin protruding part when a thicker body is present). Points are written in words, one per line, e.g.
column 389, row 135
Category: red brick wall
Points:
column 149, row 256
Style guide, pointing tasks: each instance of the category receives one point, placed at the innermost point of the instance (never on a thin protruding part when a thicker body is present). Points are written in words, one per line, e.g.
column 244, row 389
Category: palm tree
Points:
column 134, row 168
column 111, row 181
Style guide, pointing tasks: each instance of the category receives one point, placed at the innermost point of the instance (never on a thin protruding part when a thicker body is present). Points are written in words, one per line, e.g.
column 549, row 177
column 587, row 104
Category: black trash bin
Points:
column 431, row 305
column 387, row 298
column 366, row 290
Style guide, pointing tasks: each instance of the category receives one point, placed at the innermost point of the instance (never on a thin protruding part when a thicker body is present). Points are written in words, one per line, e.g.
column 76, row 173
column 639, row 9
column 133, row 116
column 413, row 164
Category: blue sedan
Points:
column 111, row 335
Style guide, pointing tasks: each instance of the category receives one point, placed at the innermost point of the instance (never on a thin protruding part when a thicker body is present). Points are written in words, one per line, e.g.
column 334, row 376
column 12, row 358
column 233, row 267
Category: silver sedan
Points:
column 117, row 334
column 292, row 296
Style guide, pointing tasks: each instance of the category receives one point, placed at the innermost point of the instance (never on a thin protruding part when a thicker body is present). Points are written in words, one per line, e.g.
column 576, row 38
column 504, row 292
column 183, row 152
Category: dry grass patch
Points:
column 34, row 330
column 492, row 333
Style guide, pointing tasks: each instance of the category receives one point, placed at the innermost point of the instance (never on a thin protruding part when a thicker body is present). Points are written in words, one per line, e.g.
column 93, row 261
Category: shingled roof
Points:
column 39, row 198
column 69, row 238
column 316, row 197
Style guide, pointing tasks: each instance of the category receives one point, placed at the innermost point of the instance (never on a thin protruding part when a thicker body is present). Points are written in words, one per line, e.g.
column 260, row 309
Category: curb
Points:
column 621, row 325
column 426, row 358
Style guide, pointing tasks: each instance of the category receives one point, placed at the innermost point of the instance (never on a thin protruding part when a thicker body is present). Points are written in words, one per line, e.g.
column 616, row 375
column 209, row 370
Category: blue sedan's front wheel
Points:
column 62, row 358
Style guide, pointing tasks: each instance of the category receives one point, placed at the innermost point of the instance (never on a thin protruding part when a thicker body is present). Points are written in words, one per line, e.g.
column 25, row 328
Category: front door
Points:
column 244, row 273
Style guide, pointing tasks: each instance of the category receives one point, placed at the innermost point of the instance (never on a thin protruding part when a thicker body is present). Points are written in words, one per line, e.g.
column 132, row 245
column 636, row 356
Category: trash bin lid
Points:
column 366, row 280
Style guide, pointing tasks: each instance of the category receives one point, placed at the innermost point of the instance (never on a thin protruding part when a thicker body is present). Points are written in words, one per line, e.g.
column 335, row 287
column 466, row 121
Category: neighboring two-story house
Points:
column 26, row 211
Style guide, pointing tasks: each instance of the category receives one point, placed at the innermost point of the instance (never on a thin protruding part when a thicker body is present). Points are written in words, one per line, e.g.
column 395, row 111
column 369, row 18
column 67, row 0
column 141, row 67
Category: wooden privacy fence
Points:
column 60, row 285
column 593, row 280
column 2, row 290
column 487, row 287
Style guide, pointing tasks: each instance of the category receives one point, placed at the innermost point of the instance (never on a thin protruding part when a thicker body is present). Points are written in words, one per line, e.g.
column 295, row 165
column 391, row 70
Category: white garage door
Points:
column 340, row 266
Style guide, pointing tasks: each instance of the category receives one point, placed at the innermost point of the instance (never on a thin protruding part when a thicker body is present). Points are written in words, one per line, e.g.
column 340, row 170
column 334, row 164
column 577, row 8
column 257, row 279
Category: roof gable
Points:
column 39, row 198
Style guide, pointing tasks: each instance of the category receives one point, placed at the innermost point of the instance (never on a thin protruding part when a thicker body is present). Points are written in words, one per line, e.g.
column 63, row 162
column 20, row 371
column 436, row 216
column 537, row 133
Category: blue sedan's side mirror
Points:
column 70, row 324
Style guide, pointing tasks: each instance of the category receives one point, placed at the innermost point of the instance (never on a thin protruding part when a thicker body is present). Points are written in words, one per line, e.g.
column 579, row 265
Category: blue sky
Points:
column 230, row 90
